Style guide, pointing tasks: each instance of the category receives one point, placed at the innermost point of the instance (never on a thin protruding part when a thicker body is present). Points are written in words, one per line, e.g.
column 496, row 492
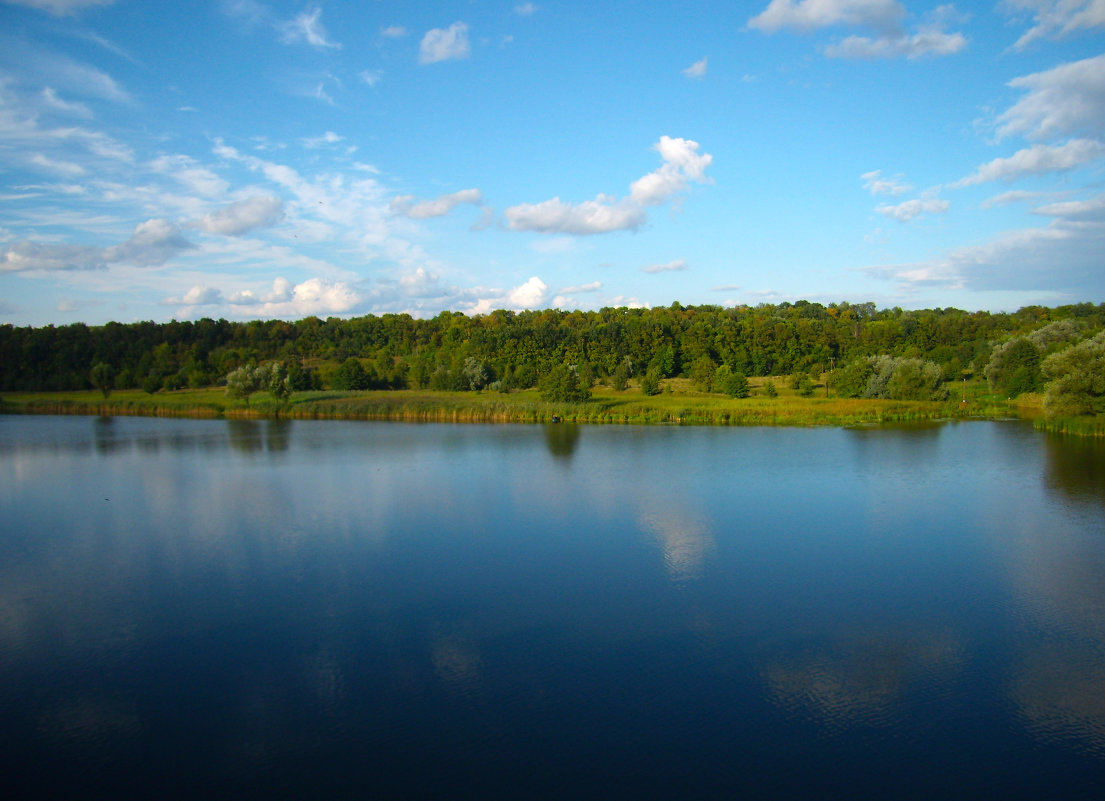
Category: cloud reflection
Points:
column 684, row 537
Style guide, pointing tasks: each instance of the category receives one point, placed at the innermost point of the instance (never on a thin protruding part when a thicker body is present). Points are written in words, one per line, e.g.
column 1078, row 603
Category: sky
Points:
column 261, row 159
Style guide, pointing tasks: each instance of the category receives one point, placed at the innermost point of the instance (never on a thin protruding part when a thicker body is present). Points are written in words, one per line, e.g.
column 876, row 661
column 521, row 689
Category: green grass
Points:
column 678, row 403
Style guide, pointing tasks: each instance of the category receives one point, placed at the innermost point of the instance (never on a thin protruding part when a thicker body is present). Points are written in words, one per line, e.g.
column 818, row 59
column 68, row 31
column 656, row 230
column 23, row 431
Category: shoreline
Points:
column 605, row 408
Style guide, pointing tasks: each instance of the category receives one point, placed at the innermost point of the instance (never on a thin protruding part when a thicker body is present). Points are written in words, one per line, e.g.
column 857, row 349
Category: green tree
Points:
column 702, row 373
column 562, row 384
column 103, row 377
column 770, row 390
column 1014, row 367
column 1076, row 379
column 621, row 377
column 351, row 375
column 732, row 383
column 650, row 382
column 244, row 382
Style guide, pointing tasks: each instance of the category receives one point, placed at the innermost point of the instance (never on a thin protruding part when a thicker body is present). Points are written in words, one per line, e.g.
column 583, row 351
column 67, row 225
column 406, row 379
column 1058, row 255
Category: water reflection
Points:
column 861, row 678
column 684, row 536
column 562, row 438
column 1076, row 468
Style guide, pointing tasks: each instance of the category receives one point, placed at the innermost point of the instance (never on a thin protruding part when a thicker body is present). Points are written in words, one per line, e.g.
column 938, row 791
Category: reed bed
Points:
column 606, row 407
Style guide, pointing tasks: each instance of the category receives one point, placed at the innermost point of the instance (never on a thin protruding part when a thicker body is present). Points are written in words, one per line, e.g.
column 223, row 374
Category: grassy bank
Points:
column 677, row 404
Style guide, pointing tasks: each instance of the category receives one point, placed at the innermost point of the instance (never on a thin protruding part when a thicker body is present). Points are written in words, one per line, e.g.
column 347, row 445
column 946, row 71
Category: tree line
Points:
column 865, row 350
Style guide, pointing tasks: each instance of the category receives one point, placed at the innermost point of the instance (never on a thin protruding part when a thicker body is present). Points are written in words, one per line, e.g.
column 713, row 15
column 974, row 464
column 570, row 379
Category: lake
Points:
column 261, row 609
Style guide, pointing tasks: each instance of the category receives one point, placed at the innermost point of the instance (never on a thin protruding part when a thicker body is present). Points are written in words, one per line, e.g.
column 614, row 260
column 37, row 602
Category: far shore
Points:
column 678, row 403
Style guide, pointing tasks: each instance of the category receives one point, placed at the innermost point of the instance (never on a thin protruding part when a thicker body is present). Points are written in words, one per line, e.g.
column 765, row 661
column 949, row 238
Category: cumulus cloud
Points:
column 25, row 256
column 696, row 70
column 1036, row 160
column 877, row 185
column 885, row 17
column 1067, row 99
column 61, row 8
column 259, row 211
column 809, row 15
column 313, row 296
column 306, row 27
column 438, row 207
column 198, row 296
column 530, row 295
column 445, row 44
column 1056, row 19
column 911, row 209
column 599, row 216
column 152, row 244
column 682, row 164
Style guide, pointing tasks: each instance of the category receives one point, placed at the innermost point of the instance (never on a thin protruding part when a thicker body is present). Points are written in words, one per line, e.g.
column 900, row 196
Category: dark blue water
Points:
column 233, row 609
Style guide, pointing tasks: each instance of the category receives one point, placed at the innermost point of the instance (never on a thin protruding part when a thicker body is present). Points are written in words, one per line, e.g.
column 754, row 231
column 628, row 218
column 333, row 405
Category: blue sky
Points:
column 248, row 159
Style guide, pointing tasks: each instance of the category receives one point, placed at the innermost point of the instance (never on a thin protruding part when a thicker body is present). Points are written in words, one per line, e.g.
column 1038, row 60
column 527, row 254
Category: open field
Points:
column 678, row 403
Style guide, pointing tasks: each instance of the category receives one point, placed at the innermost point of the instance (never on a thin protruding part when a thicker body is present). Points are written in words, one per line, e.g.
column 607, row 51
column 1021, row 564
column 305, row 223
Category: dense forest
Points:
column 855, row 344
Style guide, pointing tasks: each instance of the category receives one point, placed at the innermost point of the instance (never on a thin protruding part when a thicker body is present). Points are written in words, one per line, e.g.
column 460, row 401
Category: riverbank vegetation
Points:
column 792, row 364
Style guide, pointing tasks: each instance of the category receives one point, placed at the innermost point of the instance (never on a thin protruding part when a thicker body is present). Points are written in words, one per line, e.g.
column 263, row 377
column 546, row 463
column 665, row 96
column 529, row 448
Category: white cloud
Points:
column 594, row 286
column 877, row 185
column 886, row 17
column 682, row 163
column 604, row 214
column 198, row 296
column 809, row 15
column 64, row 168
column 152, row 244
column 526, row 9
column 926, row 42
column 24, row 255
column 438, row 207
column 1056, row 19
column 672, row 266
column 60, row 8
column 529, row 295
column 306, row 27
column 445, row 44
column 313, row 296
column 599, row 216
column 393, row 32
column 1036, row 160
column 911, row 209
column 1008, row 198
column 328, row 138
column 1067, row 99
column 1092, row 210
column 68, row 107
column 246, row 215
column 1063, row 258
column 696, row 70
column 371, row 77
column 190, row 174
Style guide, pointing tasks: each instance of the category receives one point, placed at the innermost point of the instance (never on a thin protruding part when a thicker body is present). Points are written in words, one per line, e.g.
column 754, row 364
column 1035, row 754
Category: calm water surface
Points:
column 205, row 609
